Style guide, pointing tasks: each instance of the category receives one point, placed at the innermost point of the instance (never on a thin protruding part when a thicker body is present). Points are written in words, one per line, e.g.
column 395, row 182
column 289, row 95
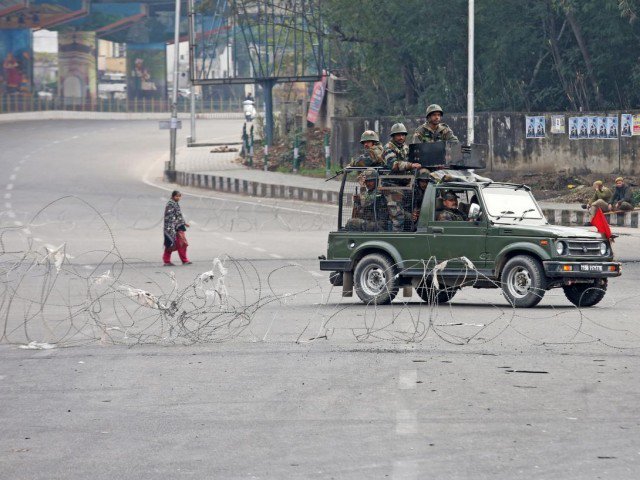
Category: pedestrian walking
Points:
column 175, row 228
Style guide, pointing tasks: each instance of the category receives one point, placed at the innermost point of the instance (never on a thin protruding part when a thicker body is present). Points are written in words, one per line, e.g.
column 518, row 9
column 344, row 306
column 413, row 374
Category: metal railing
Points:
column 31, row 103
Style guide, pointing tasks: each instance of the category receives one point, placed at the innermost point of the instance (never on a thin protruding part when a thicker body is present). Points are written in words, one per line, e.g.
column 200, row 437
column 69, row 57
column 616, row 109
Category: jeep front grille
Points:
column 583, row 248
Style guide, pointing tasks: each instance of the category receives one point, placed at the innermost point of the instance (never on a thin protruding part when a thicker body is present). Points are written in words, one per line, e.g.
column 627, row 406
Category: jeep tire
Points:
column 374, row 280
column 523, row 281
column 586, row 294
column 435, row 297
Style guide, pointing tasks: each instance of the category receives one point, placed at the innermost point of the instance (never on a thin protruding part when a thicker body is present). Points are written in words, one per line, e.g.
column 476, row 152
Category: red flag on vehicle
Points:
column 600, row 222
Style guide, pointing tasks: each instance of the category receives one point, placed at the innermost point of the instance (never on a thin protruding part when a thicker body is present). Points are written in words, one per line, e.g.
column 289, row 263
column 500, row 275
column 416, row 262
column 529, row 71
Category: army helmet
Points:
column 434, row 108
column 369, row 135
column 423, row 174
column 370, row 174
column 398, row 128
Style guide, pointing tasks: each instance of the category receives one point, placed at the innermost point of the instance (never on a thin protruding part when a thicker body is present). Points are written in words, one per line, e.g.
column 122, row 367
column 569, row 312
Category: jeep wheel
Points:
column 336, row 279
column 374, row 280
column 523, row 281
column 435, row 297
column 586, row 294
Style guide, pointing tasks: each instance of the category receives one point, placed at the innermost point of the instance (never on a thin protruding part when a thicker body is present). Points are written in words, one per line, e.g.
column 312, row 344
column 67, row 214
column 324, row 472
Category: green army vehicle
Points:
column 499, row 239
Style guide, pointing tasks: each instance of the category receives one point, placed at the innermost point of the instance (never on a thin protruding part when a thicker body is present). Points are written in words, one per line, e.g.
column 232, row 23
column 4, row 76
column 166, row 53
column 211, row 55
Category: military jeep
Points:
column 499, row 238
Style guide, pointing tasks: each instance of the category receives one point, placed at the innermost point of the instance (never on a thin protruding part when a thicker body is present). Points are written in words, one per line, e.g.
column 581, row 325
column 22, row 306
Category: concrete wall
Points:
column 504, row 133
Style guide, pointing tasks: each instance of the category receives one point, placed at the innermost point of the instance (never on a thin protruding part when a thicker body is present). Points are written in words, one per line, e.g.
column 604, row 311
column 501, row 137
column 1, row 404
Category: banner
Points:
column 146, row 71
column 535, row 127
column 316, row 99
column 77, row 66
column 574, row 127
column 16, row 70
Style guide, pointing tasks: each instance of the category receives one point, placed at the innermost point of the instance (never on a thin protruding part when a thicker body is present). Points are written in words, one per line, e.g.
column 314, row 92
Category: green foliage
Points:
column 547, row 55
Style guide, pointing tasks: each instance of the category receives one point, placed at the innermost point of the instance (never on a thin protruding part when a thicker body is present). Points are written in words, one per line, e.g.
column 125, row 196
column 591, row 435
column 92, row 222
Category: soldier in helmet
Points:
column 396, row 152
column 372, row 156
column 396, row 156
column 369, row 207
column 434, row 130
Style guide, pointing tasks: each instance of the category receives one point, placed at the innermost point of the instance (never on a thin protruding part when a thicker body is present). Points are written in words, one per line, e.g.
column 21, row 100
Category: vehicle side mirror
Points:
column 474, row 211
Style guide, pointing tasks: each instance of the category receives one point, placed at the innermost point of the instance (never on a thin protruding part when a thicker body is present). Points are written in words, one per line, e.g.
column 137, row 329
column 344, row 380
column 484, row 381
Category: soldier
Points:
column 396, row 152
column 450, row 211
column 372, row 156
column 370, row 207
column 422, row 180
column 396, row 155
column 434, row 130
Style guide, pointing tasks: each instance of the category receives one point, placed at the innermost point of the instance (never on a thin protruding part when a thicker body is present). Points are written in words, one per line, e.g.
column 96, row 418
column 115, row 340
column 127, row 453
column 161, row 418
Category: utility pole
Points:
column 170, row 174
column 470, row 112
column 192, row 67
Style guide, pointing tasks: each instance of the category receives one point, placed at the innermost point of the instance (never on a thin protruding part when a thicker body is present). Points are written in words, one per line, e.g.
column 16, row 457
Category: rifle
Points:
column 338, row 172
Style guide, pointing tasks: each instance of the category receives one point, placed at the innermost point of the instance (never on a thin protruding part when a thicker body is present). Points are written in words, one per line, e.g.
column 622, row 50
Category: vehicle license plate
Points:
column 591, row 268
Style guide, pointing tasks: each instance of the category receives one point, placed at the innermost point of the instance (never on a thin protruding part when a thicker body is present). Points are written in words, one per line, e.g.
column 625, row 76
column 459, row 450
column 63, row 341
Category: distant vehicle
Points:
column 45, row 94
column 186, row 93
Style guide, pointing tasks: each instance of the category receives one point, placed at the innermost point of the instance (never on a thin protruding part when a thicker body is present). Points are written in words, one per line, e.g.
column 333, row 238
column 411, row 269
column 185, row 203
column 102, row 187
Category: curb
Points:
column 222, row 183
column 71, row 115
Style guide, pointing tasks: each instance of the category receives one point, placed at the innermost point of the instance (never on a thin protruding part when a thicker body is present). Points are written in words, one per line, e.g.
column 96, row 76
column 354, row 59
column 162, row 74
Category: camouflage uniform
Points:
column 369, row 211
column 442, row 133
column 451, row 214
column 395, row 154
column 373, row 157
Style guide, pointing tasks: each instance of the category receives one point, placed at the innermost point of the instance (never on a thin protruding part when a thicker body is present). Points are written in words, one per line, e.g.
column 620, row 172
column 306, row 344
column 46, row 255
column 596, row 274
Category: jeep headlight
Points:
column 603, row 248
column 560, row 247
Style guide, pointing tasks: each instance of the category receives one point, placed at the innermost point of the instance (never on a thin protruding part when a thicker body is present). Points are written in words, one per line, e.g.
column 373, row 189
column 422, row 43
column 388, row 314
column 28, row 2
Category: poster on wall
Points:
column 635, row 128
column 146, row 71
column 16, row 70
column 535, row 127
column 557, row 124
column 601, row 123
column 626, row 120
column 583, row 127
column 77, row 66
column 574, row 127
column 592, row 127
column 612, row 127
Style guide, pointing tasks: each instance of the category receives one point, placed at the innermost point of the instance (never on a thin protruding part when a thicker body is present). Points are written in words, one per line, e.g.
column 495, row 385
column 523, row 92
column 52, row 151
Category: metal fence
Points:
column 18, row 103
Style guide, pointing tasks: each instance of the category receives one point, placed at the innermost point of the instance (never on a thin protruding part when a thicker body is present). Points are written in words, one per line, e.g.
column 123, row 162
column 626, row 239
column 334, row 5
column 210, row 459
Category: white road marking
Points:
column 16, row 169
column 7, row 196
column 406, row 422
column 229, row 238
column 26, row 231
column 244, row 244
column 10, row 214
column 12, row 177
column 258, row 249
column 407, row 379
column 18, row 224
column 7, row 205
column 274, row 255
column 10, row 186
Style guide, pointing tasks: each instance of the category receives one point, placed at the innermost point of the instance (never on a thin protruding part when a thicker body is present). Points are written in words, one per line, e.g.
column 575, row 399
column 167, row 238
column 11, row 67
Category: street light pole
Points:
column 173, row 127
column 470, row 112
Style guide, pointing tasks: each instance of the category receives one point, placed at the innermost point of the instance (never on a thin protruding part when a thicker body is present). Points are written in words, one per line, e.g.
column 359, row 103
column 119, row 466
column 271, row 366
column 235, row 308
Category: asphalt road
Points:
column 279, row 377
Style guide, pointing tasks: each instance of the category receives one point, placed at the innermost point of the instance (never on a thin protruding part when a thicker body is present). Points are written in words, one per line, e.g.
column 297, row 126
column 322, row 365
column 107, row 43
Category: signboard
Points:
column 170, row 124
column 316, row 99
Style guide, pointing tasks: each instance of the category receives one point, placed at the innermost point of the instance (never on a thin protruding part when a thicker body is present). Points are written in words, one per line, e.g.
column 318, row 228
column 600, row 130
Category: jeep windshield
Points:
column 510, row 203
